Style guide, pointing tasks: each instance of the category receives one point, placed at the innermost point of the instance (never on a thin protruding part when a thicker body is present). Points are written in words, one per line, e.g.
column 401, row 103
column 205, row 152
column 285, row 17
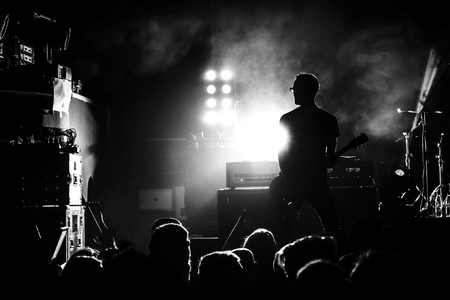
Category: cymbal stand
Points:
column 407, row 153
column 424, row 195
column 408, row 156
column 427, row 205
column 423, row 198
column 437, row 196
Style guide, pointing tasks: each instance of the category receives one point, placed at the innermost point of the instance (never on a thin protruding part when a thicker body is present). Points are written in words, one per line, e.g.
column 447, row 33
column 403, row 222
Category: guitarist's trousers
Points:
column 318, row 195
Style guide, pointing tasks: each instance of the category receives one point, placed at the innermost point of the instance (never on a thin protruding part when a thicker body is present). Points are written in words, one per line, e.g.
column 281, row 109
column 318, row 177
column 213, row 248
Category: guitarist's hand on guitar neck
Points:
column 356, row 142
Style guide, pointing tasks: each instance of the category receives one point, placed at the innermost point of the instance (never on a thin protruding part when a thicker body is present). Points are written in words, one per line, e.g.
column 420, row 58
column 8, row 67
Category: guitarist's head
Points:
column 305, row 88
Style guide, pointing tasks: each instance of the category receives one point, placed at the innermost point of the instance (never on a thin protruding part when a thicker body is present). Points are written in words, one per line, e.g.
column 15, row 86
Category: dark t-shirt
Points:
column 309, row 129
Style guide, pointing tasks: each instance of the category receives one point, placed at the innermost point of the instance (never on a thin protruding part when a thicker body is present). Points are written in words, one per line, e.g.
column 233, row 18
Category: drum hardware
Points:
column 439, row 203
column 430, row 205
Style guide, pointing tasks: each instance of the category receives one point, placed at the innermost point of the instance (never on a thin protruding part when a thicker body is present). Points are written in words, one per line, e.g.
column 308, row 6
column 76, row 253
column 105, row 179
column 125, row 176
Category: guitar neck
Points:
column 342, row 151
column 356, row 142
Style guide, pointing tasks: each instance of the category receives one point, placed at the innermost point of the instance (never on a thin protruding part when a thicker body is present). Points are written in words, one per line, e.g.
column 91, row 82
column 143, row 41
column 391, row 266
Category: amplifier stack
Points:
column 352, row 184
column 43, row 195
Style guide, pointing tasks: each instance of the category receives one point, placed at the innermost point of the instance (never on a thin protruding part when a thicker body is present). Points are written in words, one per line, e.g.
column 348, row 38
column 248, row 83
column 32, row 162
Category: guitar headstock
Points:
column 359, row 140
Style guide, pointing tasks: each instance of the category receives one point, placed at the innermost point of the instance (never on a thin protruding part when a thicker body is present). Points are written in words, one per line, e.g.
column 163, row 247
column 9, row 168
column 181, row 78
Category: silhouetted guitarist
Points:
column 312, row 135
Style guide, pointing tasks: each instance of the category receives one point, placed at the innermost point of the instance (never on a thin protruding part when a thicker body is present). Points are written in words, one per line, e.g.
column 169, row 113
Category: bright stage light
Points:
column 211, row 103
column 226, row 89
column 226, row 103
column 260, row 137
column 226, row 74
column 211, row 89
column 211, row 117
column 226, row 117
column 210, row 75
column 281, row 138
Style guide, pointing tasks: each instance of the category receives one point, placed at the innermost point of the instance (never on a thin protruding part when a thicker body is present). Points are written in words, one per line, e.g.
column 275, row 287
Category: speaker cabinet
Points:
column 352, row 203
column 259, row 211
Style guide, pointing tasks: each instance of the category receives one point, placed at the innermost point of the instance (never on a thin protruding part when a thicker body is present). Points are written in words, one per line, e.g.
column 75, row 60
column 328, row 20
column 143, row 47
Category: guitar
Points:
column 356, row 142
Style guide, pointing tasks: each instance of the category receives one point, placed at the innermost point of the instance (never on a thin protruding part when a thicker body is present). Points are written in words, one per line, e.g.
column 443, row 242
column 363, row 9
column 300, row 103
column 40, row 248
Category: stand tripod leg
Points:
column 60, row 242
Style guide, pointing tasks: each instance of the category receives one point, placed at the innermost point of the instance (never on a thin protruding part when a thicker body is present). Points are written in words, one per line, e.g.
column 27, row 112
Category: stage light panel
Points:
column 218, row 99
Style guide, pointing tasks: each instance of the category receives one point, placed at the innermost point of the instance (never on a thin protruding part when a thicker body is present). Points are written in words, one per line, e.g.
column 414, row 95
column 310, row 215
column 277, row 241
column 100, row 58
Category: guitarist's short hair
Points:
column 307, row 82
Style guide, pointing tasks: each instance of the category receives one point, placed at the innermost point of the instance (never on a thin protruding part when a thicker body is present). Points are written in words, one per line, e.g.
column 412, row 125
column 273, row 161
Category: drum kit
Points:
column 437, row 203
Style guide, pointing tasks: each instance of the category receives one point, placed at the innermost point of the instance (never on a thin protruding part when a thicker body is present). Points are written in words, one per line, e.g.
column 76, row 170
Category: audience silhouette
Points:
column 223, row 277
column 166, row 220
column 170, row 253
column 379, row 273
column 247, row 260
column 377, row 263
column 87, row 270
column 323, row 279
column 263, row 245
column 129, row 272
column 365, row 233
column 295, row 255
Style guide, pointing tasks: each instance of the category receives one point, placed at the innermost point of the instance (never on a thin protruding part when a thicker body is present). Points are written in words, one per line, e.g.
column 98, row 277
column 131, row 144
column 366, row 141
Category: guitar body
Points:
column 279, row 192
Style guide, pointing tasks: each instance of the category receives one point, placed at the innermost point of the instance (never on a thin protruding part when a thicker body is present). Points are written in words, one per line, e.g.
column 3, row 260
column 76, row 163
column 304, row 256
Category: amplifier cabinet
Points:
column 351, row 172
column 251, row 173
column 259, row 211
column 44, row 179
